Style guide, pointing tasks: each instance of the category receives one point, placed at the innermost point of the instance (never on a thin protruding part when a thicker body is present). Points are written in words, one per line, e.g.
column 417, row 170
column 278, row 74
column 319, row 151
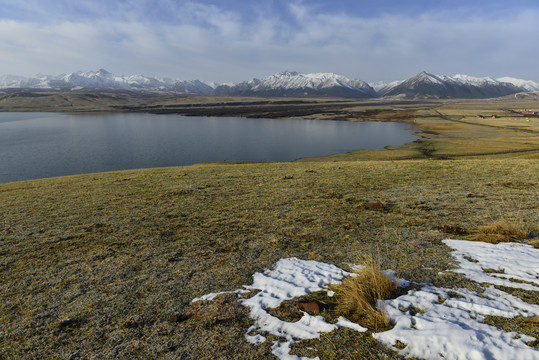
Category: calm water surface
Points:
column 38, row 145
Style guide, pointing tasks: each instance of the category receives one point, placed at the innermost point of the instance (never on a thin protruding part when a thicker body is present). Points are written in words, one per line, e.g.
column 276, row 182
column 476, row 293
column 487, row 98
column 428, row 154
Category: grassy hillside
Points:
column 122, row 254
column 106, row 265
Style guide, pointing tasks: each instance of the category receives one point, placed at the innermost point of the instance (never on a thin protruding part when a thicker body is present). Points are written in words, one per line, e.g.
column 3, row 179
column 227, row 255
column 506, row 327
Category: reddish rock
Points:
column 312, row 307
column 373, row 205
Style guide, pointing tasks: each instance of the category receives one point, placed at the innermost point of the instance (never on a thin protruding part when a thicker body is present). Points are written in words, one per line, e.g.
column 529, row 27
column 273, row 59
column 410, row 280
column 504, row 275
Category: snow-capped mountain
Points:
column 529, row 85
column 102, row 79
column 429, row 86
column 420, row 86
column 295, row 84
column 381, row 86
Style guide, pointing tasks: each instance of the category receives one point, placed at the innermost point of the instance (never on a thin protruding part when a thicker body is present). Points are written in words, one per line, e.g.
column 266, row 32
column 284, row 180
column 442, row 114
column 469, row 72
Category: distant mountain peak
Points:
column 288, row 83
column 103, row 72
column 103, row 79
column 423, row 85
column 529, row 85
column 287, row 73
column 426, row 77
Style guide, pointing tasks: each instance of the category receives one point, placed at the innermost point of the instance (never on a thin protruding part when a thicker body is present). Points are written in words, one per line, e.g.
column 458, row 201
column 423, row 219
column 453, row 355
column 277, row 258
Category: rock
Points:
column 373, row 205
column 311, row 307
column 178, row 317
column 67, row 322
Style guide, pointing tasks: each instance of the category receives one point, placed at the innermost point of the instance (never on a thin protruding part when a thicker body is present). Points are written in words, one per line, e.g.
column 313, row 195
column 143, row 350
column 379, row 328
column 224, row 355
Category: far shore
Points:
column 448, row 128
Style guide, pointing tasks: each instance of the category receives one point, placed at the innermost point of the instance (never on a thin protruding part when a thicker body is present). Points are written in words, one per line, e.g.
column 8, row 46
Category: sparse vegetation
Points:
column 523, row 325
column 121, row 253
column 107, row 264
column 499, row 231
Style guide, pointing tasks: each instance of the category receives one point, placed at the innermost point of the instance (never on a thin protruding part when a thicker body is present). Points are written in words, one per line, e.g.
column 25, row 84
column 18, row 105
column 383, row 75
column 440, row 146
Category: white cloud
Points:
column 208, row 42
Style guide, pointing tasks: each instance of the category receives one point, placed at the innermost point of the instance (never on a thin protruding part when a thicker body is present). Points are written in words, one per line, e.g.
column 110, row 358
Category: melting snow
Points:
column 452, row 328
column 289, row 279
column 431, row 323
column 510, row 260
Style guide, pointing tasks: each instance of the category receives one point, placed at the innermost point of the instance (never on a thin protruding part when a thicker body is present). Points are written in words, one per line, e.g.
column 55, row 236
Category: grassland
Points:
column 105, row 265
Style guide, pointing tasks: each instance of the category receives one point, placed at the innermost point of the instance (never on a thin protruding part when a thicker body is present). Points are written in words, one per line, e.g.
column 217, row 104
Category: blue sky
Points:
column 229, row 41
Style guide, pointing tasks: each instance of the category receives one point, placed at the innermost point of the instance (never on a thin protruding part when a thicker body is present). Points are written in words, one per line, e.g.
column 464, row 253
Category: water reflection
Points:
column 36, row 145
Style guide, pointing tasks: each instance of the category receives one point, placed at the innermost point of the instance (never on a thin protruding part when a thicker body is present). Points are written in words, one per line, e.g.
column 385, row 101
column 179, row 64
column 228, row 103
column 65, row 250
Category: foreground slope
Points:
column 107, row 264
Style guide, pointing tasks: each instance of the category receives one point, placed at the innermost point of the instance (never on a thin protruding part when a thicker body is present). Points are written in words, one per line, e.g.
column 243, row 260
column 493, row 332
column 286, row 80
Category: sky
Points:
column 237, row 40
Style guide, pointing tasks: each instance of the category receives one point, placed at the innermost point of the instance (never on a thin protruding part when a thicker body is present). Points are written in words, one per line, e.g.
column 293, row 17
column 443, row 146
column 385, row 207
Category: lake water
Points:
column 38, row 145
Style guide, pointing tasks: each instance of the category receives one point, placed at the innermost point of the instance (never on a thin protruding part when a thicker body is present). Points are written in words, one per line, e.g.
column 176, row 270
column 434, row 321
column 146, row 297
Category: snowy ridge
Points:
column 290, row 83
column 102, row 79
column 381, row 86
column 426, row 77
column 287, row 83
column 294, row 80
column 425, row 86
column 471, row 80
column 529, row 85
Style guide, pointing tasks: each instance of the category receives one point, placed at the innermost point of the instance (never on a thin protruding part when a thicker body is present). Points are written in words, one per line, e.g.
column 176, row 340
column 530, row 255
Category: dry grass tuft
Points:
column 533, row 242
column 500, row 231
column 357, row 296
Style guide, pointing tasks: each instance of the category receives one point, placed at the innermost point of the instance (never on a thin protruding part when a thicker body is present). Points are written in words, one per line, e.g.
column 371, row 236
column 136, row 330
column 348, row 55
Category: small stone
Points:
column 129, row 324
column 373, row 205
column 67, row 322
column 178, row 317
column 311, row 307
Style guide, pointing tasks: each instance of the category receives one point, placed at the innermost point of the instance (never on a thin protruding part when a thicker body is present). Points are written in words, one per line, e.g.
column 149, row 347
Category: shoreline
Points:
column 446, row 128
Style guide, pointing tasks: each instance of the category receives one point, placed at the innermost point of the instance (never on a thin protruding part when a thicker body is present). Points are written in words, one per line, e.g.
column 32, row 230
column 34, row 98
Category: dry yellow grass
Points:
column 122, row 254
column 357, row 296
column 500, row 231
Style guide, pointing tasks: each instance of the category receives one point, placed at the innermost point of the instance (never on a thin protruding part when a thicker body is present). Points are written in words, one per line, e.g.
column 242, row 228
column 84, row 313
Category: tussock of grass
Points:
column 534, row 243
column 357, row 296
column 499, row 231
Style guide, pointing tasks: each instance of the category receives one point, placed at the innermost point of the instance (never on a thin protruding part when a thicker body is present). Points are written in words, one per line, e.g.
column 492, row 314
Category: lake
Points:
column 38, row 145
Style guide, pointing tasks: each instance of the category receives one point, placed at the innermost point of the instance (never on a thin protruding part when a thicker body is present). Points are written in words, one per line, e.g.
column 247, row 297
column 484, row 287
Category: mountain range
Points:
column 102, row 79
column 285, row 84
column 294, row 84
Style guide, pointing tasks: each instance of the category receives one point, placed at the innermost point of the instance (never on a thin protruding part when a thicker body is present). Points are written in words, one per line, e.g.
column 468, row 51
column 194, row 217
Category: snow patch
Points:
column 452, row 329
column 512, row 262
column 429, row 322
column 344, row 322
column 290, row 278
column 211, row 296
column 446, row 327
